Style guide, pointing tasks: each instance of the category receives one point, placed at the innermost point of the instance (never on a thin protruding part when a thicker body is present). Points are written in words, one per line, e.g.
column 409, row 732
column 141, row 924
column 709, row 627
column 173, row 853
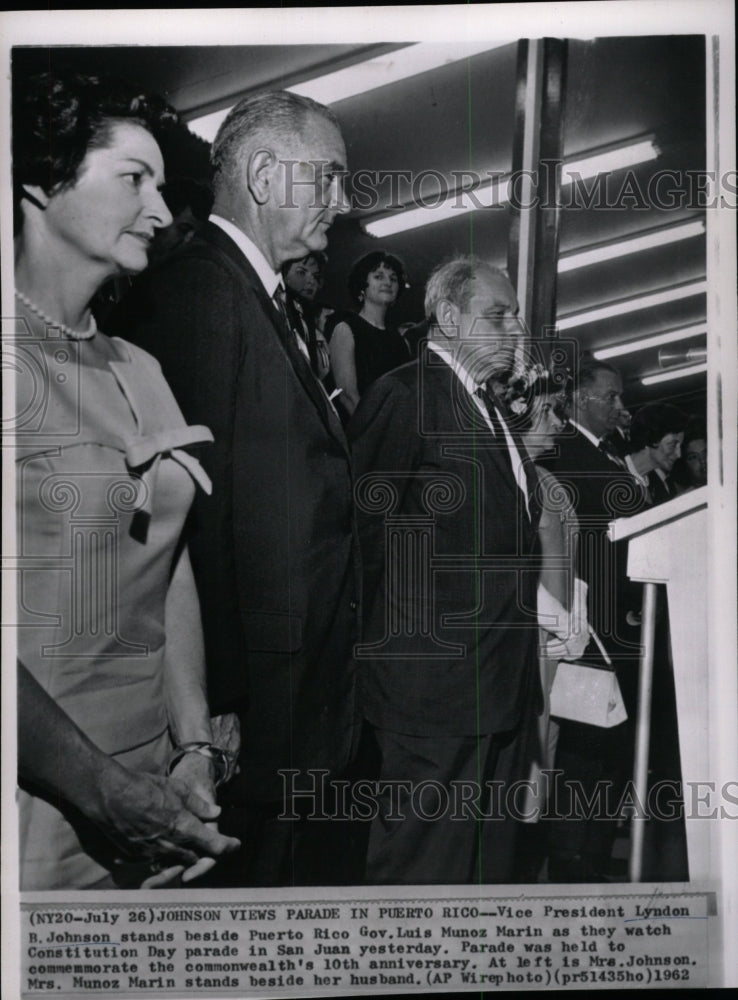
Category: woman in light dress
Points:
column 116, row 762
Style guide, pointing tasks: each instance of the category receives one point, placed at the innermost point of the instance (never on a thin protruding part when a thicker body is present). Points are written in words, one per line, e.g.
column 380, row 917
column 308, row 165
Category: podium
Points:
column 668, row 545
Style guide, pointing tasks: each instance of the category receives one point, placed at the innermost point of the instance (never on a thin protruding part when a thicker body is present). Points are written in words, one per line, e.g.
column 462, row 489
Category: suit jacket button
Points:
column 353, row 605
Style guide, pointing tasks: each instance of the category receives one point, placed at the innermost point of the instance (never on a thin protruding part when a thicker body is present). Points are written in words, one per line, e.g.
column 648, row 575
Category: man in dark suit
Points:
column 448, row 530
column 602, row 489
column 274, row 549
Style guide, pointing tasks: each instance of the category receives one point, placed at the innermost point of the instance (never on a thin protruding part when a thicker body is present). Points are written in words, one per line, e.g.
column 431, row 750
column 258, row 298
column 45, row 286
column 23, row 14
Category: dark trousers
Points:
column 439, row 820
column 309, row 837
column 297, row 842
column 596, row 765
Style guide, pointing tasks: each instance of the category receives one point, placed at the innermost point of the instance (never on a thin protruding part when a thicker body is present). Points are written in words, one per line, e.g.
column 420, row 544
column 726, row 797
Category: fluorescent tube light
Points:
column 496, row 192
column 624, row 306
column 656, row 340
column 677, row 373
column 634, row 244
column 391, row 67
column 490, row 194
column 360, row 78
column 617, row 158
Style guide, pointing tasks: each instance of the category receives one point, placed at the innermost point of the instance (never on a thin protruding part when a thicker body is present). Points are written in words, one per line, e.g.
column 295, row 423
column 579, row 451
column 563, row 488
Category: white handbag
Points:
column 582, row 693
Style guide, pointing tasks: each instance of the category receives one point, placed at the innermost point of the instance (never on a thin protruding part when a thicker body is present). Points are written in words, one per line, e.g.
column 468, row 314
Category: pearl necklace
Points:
column 87, row 334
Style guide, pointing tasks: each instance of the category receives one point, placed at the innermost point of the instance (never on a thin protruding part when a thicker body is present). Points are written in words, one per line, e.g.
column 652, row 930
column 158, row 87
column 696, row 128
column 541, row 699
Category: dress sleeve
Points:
column 557, row 532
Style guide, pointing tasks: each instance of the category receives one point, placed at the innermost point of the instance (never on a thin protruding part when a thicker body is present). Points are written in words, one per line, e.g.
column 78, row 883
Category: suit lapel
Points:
column 470, row 424
column 286, row 337
column 466, row 420
column 305, row 373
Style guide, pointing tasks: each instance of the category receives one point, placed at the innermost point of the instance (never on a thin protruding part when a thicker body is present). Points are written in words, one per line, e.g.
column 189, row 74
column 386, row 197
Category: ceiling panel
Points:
column 201, row 78
column 621, row 87
column 581, row 226
column 636, row 324
column 457, row 118
column 636, row 274
column 462, row 116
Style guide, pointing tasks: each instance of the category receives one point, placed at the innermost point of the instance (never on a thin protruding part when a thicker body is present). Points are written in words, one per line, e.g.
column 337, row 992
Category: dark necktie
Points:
column 607, row 448
column 531, row 478
column 491, row 407
column 280, row 301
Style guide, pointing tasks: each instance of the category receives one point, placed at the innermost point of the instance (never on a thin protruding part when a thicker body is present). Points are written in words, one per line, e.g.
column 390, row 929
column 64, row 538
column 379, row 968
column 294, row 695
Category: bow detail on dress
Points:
column 150, row 449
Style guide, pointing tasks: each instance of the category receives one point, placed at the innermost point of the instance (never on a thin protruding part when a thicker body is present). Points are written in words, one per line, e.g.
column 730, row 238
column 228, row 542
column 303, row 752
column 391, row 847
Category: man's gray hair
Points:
column 453, row 279
column 587, row 372
column 263, row 119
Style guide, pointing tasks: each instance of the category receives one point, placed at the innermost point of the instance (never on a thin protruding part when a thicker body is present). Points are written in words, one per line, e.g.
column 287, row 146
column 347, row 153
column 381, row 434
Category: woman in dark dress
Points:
column 364, row 345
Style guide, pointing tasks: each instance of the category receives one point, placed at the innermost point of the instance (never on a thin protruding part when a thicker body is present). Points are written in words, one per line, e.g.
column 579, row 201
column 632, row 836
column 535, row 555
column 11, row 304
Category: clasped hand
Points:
column 170, row 821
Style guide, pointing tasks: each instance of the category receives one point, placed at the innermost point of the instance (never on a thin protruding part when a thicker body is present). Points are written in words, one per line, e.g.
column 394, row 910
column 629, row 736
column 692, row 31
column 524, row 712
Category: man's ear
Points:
column 260, row 174
column 448, row 316
column 36, row 195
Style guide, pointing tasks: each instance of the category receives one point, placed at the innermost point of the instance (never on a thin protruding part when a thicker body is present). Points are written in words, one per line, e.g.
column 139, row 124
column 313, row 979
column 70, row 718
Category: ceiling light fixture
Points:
column 618, row 157
column 676, row 373
column 362, row 77
column 391, row 67
column 492, row 193
column 645, row 343
column 624, row 306
column 633, row 244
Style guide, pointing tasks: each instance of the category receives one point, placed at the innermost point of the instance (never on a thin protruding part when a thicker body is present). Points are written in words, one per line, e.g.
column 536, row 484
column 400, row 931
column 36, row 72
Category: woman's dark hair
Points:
column 653, row 422
column 315, row 255
column 696, row 430
column 364, row 266
column 59, row 117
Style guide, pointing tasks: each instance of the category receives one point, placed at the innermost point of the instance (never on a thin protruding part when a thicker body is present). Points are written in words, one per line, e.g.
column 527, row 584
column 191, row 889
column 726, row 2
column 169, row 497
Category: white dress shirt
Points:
column 271, row 280
column 588, row 434
column 266, row 274
column 643, row 480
